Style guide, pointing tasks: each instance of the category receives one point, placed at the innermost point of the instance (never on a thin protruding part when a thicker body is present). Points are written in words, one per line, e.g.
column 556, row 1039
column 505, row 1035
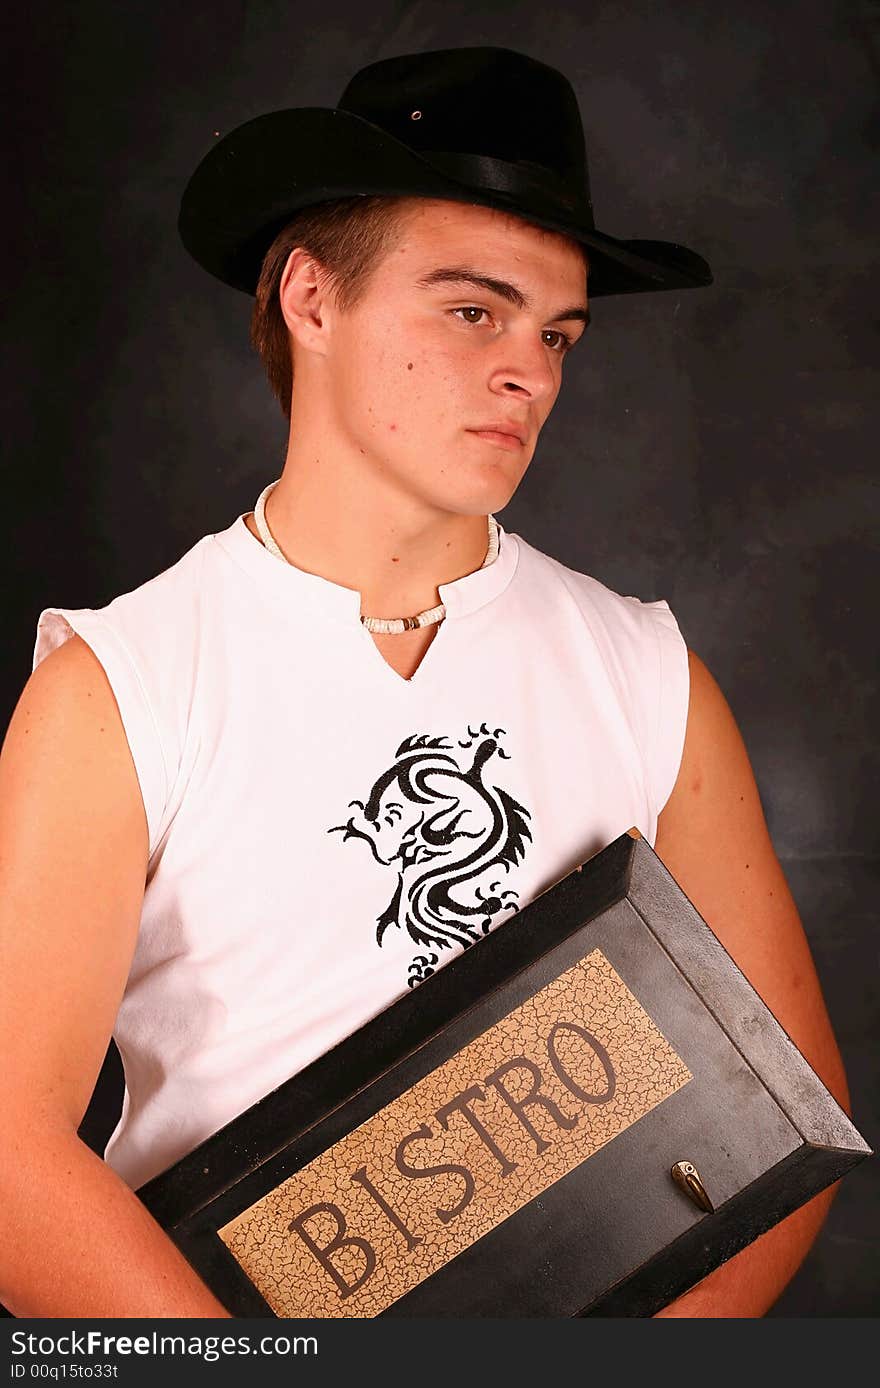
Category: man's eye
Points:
column 470, row 308
column 564, row 340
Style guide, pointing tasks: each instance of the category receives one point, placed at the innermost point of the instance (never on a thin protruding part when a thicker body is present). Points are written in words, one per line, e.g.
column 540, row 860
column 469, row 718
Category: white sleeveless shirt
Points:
column 325, row 833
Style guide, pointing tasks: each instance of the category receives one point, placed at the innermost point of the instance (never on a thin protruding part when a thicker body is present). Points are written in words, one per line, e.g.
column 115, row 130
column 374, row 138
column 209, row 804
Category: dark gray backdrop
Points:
column 712, row 447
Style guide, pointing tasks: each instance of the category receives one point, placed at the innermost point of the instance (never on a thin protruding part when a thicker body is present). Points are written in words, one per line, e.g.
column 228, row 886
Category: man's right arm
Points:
column 75, row 1241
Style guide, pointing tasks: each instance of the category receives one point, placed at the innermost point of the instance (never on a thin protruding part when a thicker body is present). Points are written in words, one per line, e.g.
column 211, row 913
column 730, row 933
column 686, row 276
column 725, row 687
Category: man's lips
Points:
column 504, row 436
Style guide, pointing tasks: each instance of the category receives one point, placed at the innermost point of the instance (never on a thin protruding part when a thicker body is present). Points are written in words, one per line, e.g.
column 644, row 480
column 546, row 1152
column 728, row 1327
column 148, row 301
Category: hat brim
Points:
column 258, row 176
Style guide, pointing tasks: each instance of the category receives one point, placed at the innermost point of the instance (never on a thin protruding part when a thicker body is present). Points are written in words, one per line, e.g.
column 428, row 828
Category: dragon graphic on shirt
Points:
column 448, row 833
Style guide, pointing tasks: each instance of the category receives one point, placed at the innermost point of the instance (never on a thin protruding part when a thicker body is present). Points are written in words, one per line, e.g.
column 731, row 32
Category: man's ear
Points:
column 305, row 301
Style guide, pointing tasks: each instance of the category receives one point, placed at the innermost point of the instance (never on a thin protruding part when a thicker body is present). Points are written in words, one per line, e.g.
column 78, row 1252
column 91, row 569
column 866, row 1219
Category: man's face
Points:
column 426, row 359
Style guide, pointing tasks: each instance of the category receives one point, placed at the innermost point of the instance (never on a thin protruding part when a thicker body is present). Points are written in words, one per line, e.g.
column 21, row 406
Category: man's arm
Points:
column 712, row 836
column 74, row 1239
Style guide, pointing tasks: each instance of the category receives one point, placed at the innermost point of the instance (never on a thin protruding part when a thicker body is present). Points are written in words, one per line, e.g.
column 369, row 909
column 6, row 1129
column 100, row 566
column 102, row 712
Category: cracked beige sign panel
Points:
column 466, row 1147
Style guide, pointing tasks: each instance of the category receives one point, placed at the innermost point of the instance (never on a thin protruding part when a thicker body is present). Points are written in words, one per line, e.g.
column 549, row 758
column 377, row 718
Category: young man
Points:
column 216, row 793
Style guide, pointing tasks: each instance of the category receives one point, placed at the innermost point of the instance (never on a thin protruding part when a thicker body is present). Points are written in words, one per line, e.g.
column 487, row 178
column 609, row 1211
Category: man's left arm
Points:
column 713, row 838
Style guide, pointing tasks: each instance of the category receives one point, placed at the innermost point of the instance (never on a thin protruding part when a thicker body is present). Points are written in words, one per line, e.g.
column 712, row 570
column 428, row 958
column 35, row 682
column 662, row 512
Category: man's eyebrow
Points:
column 463, row 274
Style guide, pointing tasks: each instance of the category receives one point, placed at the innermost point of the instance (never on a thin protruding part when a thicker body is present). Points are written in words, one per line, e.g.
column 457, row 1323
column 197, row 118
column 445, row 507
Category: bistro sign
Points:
column 468, row 1145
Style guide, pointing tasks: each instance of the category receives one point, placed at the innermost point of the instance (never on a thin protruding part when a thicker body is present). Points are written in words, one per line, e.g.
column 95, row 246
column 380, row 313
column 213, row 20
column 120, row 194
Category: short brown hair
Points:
column 349, row 237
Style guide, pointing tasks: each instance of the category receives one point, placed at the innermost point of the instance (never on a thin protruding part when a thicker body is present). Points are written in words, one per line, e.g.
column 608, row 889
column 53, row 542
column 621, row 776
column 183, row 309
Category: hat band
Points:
column 520, row 179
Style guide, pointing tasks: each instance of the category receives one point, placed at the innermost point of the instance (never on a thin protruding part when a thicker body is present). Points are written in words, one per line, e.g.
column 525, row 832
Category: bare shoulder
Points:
column 66, row 736
column 72, row 666
column 73, row 857
column 73, row 654
column 712, row 835
column 715, row 791
column 67, row 715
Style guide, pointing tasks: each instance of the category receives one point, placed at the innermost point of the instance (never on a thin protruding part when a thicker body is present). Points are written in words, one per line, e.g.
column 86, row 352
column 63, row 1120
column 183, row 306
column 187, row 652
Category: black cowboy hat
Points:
column 478, row 125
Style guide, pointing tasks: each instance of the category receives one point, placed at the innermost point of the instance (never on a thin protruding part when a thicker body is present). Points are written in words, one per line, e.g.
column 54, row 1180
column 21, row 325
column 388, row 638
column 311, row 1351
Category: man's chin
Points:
column 479, row 501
